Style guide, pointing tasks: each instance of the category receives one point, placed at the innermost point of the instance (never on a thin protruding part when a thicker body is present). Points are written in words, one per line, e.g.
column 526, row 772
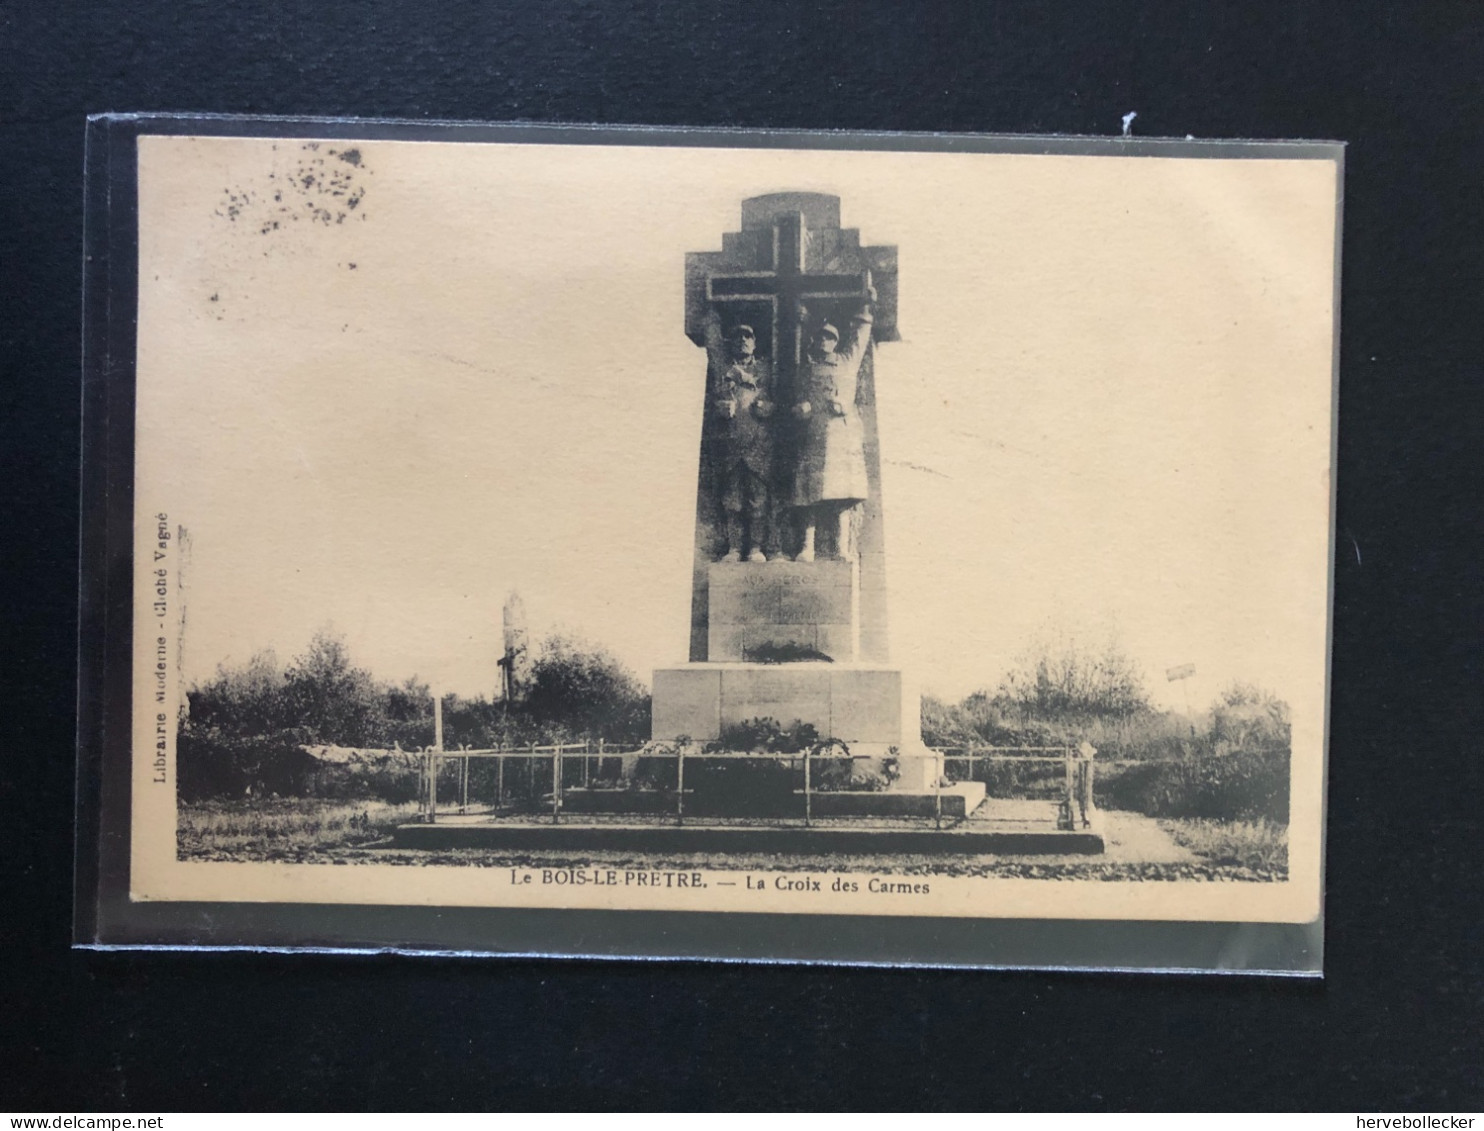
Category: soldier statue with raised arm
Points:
column 830, row 475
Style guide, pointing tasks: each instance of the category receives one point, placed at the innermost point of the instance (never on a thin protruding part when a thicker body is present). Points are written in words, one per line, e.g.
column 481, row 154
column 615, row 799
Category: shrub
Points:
column 1062, row 676
column 1244, row 785
column 341, row 703
column 581, row 691
column 244, row 727
column 210, row 763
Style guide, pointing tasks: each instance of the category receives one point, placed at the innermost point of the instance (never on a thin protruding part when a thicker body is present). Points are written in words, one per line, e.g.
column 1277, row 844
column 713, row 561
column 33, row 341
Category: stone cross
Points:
column 791, row 253
column 786, row 287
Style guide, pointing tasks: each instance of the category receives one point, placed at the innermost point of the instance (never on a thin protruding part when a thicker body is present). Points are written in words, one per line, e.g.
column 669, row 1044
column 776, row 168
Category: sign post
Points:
column 1179, row 674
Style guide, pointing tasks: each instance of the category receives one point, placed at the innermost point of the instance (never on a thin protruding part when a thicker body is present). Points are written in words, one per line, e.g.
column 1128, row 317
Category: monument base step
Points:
column 971, row 838
column 957, row 800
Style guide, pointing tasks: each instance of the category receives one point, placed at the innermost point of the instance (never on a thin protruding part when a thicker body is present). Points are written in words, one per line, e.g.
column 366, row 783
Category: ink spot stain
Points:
column 320, row 184
column 352, row 266
column 216, row 298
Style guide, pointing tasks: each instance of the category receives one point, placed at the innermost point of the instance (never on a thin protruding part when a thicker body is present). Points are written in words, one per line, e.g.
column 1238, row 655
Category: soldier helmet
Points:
column 743, row 331
column 827, row 330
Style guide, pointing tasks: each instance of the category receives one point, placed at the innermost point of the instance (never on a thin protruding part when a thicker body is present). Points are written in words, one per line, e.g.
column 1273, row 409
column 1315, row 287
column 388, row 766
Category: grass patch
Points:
column 218, row 828
column 1259, row 845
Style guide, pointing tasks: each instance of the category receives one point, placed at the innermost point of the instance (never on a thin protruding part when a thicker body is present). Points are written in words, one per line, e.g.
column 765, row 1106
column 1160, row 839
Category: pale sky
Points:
column 1110, row 410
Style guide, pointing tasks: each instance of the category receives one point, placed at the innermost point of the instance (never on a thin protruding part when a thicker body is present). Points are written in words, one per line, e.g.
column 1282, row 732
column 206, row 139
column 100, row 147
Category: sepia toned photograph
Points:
column 750, row 528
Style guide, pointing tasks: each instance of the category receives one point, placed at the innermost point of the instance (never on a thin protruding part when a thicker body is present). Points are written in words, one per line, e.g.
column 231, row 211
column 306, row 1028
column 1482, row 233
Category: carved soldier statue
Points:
column 830, row 476
column 741, row 406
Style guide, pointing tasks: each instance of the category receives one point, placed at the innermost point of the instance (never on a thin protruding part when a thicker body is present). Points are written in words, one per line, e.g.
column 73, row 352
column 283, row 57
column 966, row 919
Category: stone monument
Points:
column 788, row 601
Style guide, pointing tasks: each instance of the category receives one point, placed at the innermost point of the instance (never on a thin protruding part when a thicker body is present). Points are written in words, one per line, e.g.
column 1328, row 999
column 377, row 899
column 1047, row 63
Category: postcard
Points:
column 743, row 524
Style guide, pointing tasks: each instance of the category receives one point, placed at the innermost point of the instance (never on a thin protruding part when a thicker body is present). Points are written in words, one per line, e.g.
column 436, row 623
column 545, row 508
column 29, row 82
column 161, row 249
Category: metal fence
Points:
column 1074, row 793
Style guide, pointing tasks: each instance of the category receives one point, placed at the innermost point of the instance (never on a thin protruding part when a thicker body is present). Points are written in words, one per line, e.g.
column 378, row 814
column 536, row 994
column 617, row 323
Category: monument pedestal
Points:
column 864, row 706
column 771, row 611
column 861, row 705
column 782, row 643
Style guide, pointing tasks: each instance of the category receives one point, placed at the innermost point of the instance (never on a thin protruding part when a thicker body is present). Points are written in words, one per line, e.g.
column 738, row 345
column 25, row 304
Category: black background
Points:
column 1395, row 1024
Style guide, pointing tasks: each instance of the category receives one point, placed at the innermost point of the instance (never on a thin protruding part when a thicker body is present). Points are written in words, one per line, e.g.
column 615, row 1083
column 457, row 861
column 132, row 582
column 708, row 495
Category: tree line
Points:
column 1229, row 761
column 250, row 729
column 246, row 730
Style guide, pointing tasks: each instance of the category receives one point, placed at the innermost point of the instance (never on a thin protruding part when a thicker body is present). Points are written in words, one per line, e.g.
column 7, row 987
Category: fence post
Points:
column 808, row 798
column 499, row 782
column 680, row 785
column 1085, row 801
column 1066, row 817
column 940, row 766
column 438, row 750
column 556, row 784
column 600, row 757
column 938, row 795
column 464, row 782
column 422, row 786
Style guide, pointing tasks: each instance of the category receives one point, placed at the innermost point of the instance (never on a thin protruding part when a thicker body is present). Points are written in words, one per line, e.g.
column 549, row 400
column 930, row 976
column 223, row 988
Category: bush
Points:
column 751, row 787
column 243, row 729
column 1062, row 676
column 983, row 720
column 210, row 763
column 343, row 704
column 579, row 691
column 1245, row 785
column 1230, row 763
